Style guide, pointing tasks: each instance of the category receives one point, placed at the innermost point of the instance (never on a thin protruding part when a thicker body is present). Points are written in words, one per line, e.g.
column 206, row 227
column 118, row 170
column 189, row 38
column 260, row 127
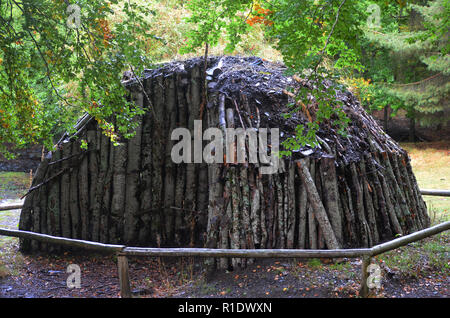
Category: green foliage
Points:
column 54, row 66
column 307, row 33
column 210, row 18
column 51, row 73
column 411, row 65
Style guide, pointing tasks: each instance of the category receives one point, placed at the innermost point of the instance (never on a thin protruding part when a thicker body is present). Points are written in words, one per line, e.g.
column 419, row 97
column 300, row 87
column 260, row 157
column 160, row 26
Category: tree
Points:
column 318, row 40
column 58, row 60
column 411, row 54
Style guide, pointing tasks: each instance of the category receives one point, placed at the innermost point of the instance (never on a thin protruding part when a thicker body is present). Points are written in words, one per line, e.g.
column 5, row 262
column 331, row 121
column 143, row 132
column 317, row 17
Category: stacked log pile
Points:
column 352, row 191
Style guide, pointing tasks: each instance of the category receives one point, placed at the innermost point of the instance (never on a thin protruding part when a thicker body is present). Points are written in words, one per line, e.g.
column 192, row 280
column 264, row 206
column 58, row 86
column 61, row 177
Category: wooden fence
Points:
column 123, row 252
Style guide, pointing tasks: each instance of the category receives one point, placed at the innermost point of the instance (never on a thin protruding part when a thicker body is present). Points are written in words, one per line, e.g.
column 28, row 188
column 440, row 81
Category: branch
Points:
column 329, row 35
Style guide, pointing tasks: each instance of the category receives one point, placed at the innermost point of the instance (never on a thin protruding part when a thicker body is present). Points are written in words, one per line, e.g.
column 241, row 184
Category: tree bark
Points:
column 319, row 211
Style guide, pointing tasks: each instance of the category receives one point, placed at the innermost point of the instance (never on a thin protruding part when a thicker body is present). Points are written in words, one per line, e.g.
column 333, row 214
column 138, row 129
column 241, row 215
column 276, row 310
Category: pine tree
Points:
column 418, row 53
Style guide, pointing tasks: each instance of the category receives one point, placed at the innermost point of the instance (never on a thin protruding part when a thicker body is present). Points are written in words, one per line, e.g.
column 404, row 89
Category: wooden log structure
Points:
column 352, row 191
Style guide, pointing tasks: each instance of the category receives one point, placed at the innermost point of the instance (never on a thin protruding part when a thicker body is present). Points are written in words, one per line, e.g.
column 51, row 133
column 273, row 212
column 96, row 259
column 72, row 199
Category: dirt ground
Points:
column 43, row 276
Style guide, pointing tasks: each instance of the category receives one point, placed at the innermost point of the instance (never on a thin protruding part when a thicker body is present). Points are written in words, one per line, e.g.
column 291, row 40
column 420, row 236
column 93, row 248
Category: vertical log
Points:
column 215, row 187
column 124, row 276
column 330, row 194
column 26, row 216
column 390, row 208
column 102, row 202
column 225, row 223
column 368, row 204
column 318, row 184
column 347, row 206
column 302, row 211
column 291, row 205
column 74, row 200
column 145, row 234
column 54, row 200
column 404, row 215
column 157, row 221
column 364, row 290
column 263, row 213
column 170, row 98
column 385, row 231
column 405, row 186
column 247, row 235
column 319, row 210
column 193, row 104
column 118, row 194
column 94, row 214
column 83, row 194
column 255, row 208
column 235, row 238
column 66, row 230
column 364, row 231
column 132, row 204
column 281, row 237
column 180, row 224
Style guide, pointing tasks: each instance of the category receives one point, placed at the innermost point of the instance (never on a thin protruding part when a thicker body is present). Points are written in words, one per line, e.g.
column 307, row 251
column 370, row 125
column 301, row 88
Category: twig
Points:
column 204, row 88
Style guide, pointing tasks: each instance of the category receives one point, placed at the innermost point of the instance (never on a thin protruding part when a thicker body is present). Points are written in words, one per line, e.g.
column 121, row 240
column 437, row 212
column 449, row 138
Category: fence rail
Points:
column 123, row 252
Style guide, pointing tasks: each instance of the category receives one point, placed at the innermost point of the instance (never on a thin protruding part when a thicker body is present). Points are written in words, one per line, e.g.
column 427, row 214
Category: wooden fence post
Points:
column 124, row 276
column 364, row 291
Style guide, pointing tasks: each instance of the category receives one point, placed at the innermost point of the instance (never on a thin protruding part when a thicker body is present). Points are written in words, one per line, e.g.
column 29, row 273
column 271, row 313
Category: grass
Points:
column 416, row 259
column 431, row 166
column 13, row 184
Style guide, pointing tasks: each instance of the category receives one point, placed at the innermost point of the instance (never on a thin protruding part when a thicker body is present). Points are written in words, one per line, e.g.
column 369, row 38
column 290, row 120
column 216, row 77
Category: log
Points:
column 302, row 211
column 53, row 202
column 74, row 200
column 180, row 225
column 368, row 205
column 145, row 209
column 385, row 230
column 280, row 234
column 312, row 221
column 318, row 183
column 255, row 206
column 157, row 220
column 170, row 98
column 66, row 229
column 73, row 243
column 441, row 193
column 116, row 230
column 103, row 184
column 263, row 214
column 124, row 276
column 215, row 187
column 193, row 104
column 235, row 237
column 319, row 211
column 330, row 195
column 94, row 214
column 364, row 230
column 83, row 195
column 247, row 253
column 132, row 204
column 389, row 207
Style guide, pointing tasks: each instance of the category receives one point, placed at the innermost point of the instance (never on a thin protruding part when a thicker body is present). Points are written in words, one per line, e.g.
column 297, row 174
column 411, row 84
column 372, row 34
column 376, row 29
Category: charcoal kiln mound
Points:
column 349, row 191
